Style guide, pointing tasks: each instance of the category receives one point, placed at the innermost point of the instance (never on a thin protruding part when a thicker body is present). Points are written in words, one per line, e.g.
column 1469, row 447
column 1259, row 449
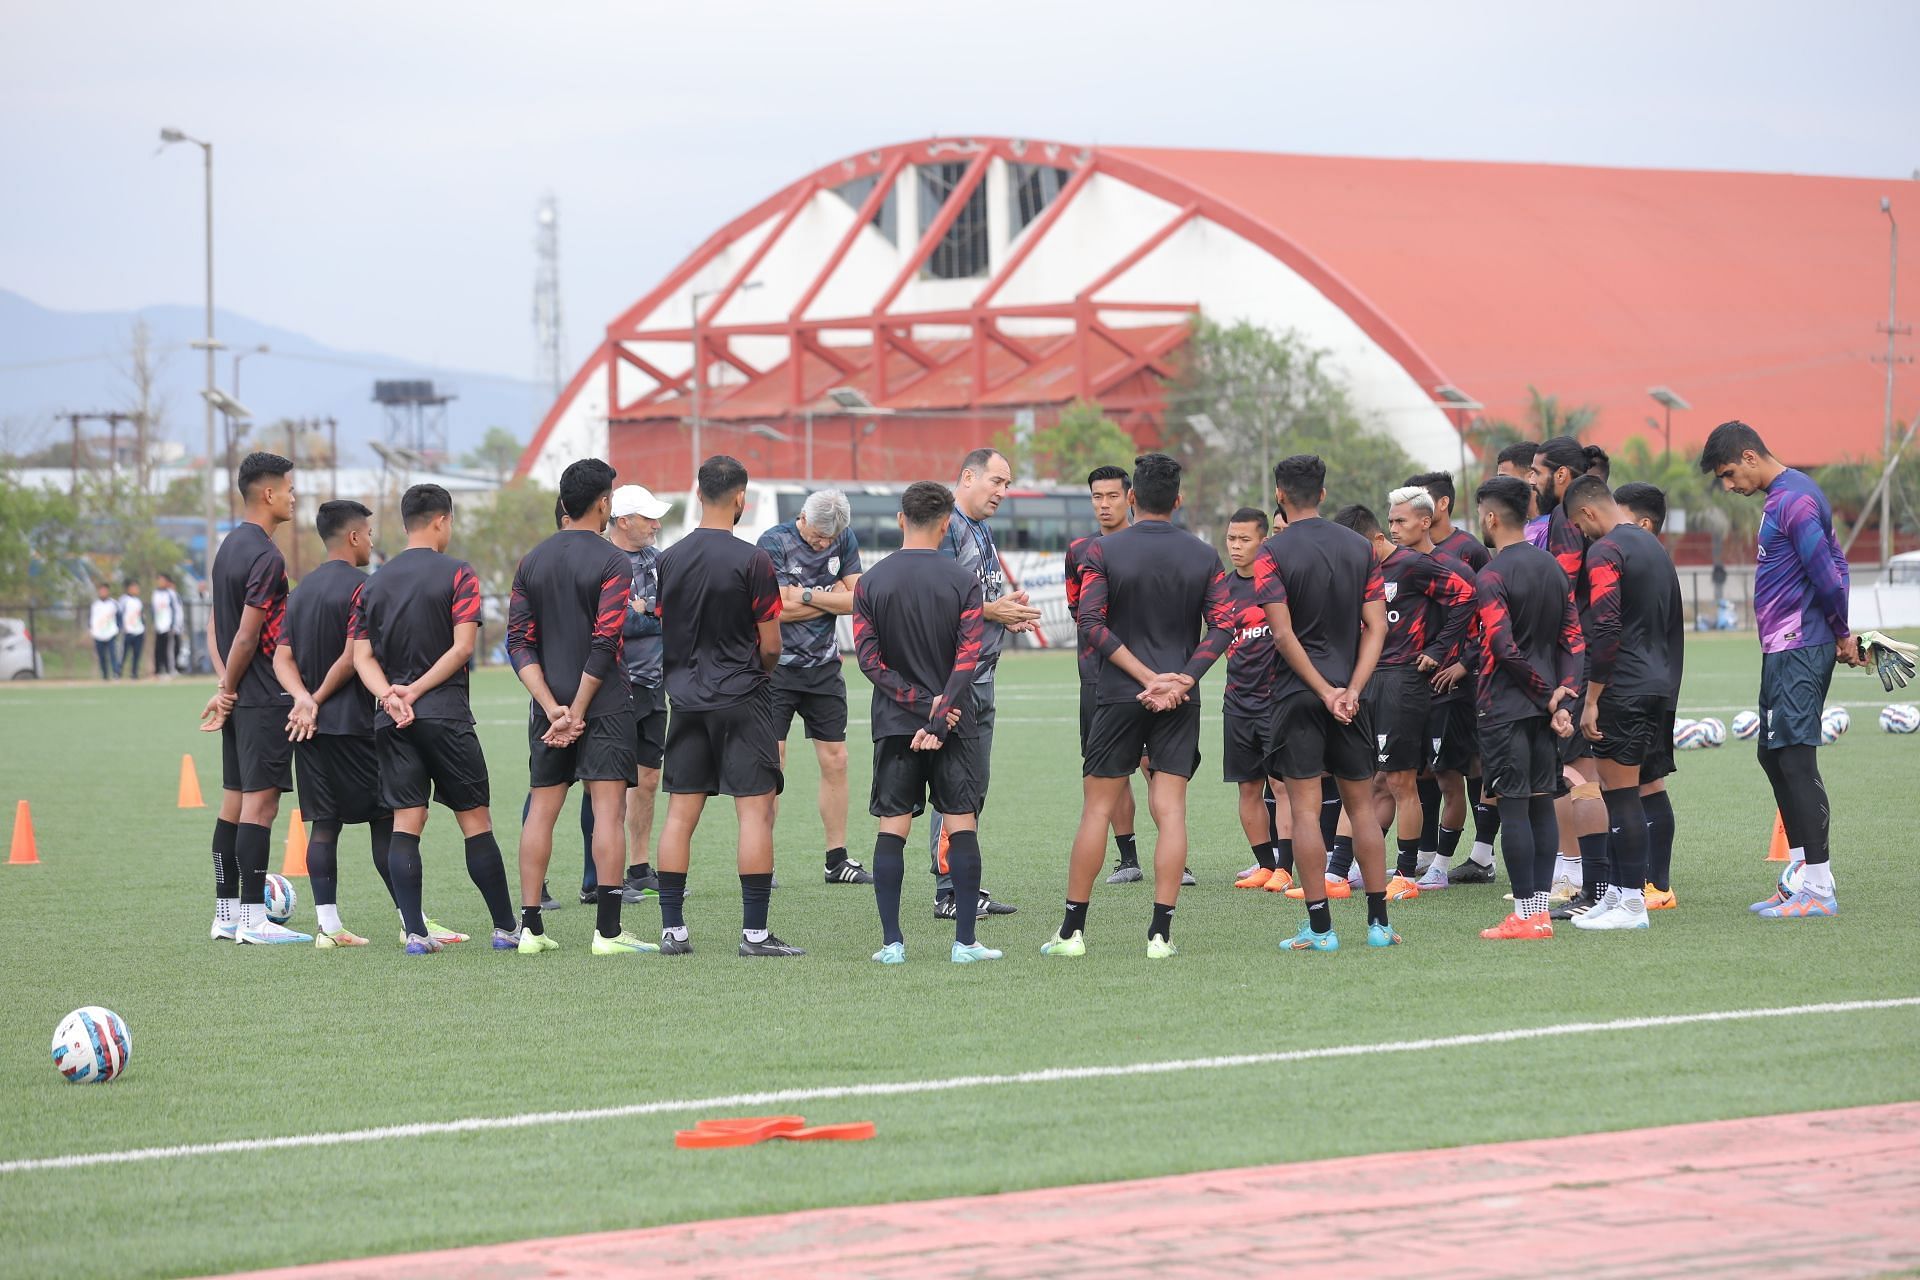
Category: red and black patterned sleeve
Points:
column 466, row 596
column 616, row 592
column 1218, row 610
column 1568, row 654
column 267, row 592
column 1269, row 588
column 523, row 632
column 966, row 657
column 1073, row 576
column 1376, row 582
column 1497, row 642
column 1454, row 595
column 1092, row 619
column 1603, row 608
column 866, row 651
column 764, row 587
column 356, row 615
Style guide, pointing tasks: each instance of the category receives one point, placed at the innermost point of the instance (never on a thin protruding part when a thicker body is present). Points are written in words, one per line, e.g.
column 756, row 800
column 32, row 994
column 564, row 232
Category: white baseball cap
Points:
column 638, row 500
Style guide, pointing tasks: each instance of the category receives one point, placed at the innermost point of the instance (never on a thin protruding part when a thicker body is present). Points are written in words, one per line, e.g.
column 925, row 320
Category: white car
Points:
column 18, row 661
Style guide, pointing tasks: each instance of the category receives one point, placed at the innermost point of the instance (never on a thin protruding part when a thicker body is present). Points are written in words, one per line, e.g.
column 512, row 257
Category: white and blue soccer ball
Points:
column 1834, row 721
column 1901, row 717
column 1689, row 735
column 281, row 899
column 1746, row 725
column 92, row 1045
column 1716, row 731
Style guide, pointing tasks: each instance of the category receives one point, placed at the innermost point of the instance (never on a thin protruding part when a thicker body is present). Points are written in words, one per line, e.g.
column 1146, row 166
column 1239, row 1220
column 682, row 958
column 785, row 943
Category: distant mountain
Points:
column 55, row 361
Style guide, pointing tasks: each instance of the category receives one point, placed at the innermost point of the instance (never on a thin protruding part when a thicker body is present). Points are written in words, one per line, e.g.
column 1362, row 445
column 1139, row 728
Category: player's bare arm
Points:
column 300, row 721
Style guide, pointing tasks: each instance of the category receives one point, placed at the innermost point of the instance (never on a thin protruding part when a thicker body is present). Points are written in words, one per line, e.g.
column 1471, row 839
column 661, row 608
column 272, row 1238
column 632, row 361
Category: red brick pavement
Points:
column 1827, row 1193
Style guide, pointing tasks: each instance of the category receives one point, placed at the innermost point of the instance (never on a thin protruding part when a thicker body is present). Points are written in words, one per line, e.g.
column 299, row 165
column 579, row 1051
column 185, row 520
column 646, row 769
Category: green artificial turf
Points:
column 233, row 1043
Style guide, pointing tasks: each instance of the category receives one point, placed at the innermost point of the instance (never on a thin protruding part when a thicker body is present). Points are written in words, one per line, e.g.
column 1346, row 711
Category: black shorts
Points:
column 1453, row 733
column 1399, row 700
column 649, row 725
column 1659, row 762
column 907, row 781
column 1305, row 740
column 1243, row 748
column 254, row 752
column 1579, row 746
column 1793, row 695
column 1122, row 732
column 1087, row 690
column 604, row 753
column 1519, row 758
column 1630, row 727
column 339, row 779
column 819, row 694
column 440, row 759
column 727, row 751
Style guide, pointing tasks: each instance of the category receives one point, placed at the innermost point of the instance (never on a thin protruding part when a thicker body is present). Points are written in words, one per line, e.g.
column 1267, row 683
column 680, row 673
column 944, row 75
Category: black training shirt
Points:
column 1632, row 624
column 407, row 612
column 1428, row 607
column 250, row 573
column 1462, row 545
column 1076, row 564
column 1159, row 591
column 1530, row 640
column 318, row 612
column 916, row 633
column 1324, row 573
column 1252, row 661
column 568, row 605
column 715, row 590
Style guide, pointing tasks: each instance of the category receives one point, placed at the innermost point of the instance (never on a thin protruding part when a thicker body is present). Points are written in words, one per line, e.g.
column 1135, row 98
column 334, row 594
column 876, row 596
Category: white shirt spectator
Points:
column 103, row 619
column 165, row 605
column 133, row 619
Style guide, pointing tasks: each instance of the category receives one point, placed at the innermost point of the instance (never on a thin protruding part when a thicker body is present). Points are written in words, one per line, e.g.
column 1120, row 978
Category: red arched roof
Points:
column 1755, row 296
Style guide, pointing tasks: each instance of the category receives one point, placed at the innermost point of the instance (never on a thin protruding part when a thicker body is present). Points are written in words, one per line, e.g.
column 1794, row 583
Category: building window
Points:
column 1031, row 188
column 962, row 251
column 885, row 219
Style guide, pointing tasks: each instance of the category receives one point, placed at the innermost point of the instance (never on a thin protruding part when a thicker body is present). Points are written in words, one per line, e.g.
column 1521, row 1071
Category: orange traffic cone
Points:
column 189, row 785
column 24, row 853
column 296, row 863
column 1777, row 850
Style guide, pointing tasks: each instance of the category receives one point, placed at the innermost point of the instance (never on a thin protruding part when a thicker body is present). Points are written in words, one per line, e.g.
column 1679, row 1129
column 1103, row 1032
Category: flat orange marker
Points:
column 853, row 1131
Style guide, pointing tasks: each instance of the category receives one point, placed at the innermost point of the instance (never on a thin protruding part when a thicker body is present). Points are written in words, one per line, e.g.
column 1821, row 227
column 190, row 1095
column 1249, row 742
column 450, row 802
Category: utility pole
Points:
column 549, row 331
column 1893, row 328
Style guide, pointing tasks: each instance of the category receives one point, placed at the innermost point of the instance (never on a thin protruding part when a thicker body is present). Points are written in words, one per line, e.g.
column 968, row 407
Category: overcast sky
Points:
column 378, row 165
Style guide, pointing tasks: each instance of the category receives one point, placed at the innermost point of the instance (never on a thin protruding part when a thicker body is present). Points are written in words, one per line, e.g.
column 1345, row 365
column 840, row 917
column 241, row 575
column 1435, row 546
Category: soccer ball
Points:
column 91, row 1045
column 1746, row 725
column 1716, row 731
column 1901, row 717
column 1793, row 876
column 281, row 899
column 1835, row 722
column 1689, row 735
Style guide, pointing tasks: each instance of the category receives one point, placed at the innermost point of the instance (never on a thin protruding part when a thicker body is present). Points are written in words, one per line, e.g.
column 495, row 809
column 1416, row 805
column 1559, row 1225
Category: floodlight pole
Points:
column 693, row 303
column 1886, row 422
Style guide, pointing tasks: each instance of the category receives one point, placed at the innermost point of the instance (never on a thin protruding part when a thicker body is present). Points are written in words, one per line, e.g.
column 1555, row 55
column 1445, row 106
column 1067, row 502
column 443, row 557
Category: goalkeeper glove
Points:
column 1893, row 659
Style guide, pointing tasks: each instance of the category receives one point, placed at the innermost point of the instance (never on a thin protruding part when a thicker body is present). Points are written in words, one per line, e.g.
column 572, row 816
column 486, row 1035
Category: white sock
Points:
column 1632, row 899
column 226, row 910
column 253, row 914
column 677, row 932
column 1818, row 879
column 754, row 935
column 1796, row 855
column 1481, row 854
column 1565, row 868
column 1426, row 859
column 329, row 917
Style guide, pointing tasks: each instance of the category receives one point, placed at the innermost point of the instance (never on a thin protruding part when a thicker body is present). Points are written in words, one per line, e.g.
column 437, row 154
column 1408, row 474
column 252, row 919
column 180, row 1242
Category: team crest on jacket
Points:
column 833, row 565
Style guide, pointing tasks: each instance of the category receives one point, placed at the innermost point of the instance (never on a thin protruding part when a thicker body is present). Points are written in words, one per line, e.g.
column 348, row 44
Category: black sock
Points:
column 889, row 872
column 380, row 837
column 836, row 856
column 1263, row 856
column 1329, row 810
column 1377, row 908
column 1546, row 840
column 1449, row 844
column 1486, row 812
column 756, row 894
column 1800, row 772
column 1129, row 851
column 1273, row 809
column 636, row 870
column 963, row 864
column 530, row 919
column 673, row 899
column 1659, row 811
column 403, row 858
column 489, row 875
column 1627, row 819
column 250, row 845
column 1340, row 857
column 1319, row 916
column 1429, row 791
column 323, row 870
column 1283, row 855
column 589, row 873
column 1162, row 926
column 1596, row 864
column 1409, row 864
column 226, row 866
column 1076, row 919
column 1516, row 849
column 607, row 911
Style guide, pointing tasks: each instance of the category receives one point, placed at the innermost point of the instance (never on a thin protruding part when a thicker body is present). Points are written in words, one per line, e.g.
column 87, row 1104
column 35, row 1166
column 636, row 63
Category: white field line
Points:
column 947, row 1084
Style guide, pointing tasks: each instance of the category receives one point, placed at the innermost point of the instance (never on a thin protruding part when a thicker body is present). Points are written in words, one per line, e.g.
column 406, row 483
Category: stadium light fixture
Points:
column 1208, row 431
column 1671, row 400
column 226, row 404
column 766, row 432
column 852, row 401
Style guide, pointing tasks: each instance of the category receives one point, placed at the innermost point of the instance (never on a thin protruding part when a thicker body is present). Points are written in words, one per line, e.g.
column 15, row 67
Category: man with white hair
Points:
column 816, row 559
